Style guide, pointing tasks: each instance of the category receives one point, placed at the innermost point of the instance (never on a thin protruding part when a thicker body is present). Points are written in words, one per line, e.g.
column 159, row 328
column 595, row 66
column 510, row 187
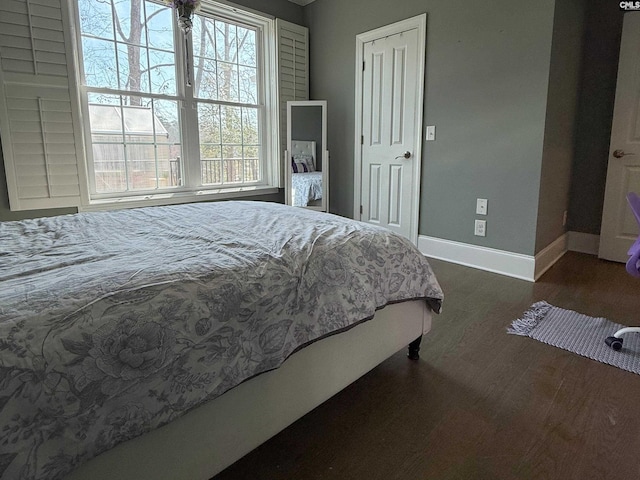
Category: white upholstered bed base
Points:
column 213, row 436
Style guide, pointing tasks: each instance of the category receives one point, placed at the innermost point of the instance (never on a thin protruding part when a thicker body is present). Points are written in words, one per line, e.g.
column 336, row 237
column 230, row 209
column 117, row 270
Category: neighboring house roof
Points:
column 107, row 119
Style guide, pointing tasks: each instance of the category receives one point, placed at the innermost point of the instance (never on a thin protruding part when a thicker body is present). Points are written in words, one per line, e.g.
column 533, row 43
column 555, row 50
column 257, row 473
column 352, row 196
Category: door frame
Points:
column 419, row 22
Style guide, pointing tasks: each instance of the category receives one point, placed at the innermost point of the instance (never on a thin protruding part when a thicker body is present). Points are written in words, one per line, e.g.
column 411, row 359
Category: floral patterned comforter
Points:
column 306, row 187
column 115, row 323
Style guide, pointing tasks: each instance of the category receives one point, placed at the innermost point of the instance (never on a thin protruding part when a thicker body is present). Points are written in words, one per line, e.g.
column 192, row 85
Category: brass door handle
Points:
column 621, row 153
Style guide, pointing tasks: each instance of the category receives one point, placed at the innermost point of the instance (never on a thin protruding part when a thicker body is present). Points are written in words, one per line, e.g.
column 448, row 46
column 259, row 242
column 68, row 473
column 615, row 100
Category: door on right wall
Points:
column 619, row 228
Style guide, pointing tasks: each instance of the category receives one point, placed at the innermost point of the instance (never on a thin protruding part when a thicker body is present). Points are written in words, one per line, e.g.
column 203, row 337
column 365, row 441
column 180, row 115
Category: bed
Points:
column 167, row 342
column 306, row 186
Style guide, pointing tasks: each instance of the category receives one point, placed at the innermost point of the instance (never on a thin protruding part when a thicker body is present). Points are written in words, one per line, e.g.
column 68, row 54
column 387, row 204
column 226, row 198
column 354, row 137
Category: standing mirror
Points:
column 307, row 158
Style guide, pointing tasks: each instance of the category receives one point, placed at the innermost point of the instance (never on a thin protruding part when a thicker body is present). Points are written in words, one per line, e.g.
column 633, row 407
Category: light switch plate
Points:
column 481, row 206
column 431, row 133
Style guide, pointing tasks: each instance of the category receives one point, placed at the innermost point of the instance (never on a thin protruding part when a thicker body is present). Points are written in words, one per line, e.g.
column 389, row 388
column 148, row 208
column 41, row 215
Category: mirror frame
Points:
column 324, row 207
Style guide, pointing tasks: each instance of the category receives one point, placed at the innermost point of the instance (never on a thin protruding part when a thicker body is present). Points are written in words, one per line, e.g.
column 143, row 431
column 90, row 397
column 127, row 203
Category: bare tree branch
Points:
column 199, row 69
column 151, row 16
column 241, row 44
column 213, row 40
column 157, row 66
column 117, row 22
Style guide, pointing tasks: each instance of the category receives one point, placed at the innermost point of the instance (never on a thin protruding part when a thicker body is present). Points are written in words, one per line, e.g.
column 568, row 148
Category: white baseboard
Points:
column 583, row 242
column 517, row 265
column 545, row 258
column 490, row 259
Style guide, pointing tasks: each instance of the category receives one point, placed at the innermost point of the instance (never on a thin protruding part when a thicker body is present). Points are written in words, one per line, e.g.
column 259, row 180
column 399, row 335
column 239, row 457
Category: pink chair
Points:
column 633, row 268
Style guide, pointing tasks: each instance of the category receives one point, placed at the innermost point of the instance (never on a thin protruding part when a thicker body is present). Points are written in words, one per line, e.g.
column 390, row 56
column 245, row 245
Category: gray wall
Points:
column 487, row 71
column 278, row 8
column 595, row 113
column 560, row 125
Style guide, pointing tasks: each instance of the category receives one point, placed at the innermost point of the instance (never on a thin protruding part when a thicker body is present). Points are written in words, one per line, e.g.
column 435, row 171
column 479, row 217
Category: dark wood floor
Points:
column 479, row 404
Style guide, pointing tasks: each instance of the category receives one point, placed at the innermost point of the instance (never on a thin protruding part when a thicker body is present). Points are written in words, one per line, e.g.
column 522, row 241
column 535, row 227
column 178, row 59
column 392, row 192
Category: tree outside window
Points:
column 134, row 96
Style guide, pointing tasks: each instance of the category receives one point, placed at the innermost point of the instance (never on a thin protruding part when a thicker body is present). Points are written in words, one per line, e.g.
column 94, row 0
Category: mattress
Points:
column 116, row 323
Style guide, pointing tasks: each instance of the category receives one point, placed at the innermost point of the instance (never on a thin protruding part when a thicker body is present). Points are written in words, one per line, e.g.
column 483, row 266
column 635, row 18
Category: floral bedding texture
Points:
column 115, row 323
column 306, row 187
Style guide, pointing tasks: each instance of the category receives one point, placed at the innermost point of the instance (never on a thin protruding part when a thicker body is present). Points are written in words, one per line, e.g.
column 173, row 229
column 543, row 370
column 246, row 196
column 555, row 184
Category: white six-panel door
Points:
column 391, row 126
column 619, row 228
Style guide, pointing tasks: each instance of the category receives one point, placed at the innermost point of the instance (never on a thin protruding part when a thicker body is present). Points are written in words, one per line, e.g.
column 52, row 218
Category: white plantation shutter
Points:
column 39, row 121
column 293, row 72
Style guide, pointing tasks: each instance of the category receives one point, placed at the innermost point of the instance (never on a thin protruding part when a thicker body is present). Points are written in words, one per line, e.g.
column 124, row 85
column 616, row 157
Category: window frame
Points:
column 192, row 189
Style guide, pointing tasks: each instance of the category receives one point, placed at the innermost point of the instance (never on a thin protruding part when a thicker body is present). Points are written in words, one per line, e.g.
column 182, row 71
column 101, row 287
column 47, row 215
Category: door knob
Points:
column 406, row 154
column 621, row 153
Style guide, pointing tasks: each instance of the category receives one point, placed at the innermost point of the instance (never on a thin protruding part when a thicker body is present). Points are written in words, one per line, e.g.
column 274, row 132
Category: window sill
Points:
column 159, row 199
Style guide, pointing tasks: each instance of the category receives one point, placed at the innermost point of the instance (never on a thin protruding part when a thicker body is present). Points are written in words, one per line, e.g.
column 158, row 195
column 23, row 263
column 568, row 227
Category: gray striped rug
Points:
column 578, row 333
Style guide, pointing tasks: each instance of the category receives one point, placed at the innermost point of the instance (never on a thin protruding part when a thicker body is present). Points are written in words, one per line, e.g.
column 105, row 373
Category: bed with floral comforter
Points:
column 115, row 323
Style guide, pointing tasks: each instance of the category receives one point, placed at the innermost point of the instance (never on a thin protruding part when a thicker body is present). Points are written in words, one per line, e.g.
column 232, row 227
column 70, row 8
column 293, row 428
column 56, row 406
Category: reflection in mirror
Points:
column 307, row 179
column 306, row 174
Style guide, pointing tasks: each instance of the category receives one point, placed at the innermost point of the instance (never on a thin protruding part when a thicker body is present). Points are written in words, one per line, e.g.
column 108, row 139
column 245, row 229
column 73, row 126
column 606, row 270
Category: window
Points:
column 173, row 114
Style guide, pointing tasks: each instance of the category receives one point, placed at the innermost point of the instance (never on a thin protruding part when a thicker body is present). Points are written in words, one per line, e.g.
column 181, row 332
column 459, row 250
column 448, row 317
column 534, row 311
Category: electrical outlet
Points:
column 481, row 206
column 481, row 228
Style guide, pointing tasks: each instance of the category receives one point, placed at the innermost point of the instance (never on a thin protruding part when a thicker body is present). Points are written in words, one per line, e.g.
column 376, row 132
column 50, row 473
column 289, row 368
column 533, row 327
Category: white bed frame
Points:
column 211, row 437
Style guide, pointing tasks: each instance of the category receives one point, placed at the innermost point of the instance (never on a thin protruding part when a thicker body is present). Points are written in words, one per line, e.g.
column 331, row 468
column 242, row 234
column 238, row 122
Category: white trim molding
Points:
column 584, row 242
column 517, row 265
column 302, row 2
column 511, row 264
column 177, row 198
column 549, row 255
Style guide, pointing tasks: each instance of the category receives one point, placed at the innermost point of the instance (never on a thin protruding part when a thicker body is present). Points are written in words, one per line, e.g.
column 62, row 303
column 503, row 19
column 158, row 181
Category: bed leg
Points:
column 414, row 349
